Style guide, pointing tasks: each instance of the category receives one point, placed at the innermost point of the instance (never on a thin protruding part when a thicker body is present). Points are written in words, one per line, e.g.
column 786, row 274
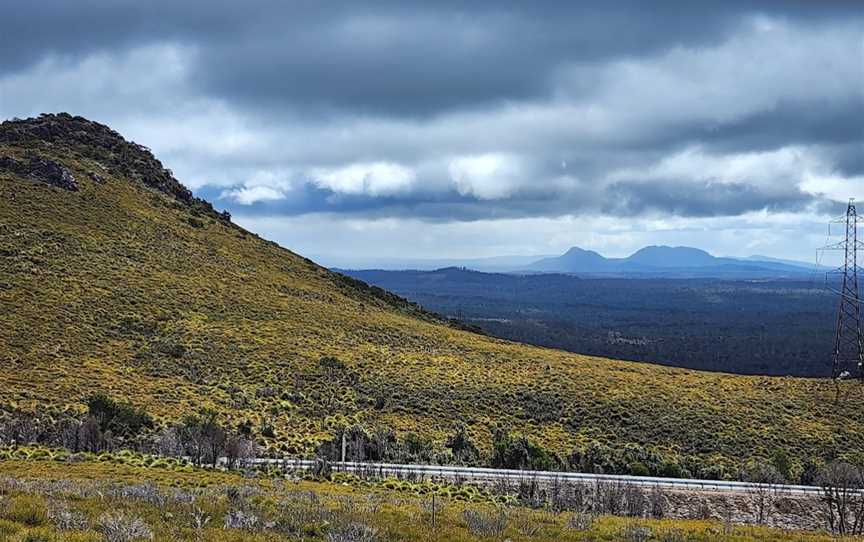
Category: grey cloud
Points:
column 310, row 85
column 706, row 200
column 835, row 122
column 632, row 199
column 383, row 58
column 849, row 159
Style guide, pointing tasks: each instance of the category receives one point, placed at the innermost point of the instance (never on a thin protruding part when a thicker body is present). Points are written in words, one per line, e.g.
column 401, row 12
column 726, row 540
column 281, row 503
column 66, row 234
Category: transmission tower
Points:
column 848, row 353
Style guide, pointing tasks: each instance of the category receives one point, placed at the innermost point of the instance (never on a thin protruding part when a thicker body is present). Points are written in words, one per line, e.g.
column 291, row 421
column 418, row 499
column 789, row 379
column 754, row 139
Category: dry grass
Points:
column 125, row 503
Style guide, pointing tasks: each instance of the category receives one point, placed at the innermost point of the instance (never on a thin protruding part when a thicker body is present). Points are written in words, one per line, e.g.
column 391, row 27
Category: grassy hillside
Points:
column 130, row 286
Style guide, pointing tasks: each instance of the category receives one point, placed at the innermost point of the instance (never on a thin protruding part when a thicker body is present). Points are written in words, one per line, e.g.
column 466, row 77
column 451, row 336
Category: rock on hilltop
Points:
column 94, row 141
column 40, row 169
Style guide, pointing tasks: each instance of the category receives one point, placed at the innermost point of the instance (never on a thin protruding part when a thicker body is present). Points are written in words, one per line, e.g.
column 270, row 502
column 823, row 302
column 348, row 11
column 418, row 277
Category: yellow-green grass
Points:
column 176, row 472
column 25, row 511
column 116, row 288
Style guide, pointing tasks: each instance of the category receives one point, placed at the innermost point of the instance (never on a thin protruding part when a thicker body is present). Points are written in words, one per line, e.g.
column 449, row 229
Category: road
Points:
column 450, row 472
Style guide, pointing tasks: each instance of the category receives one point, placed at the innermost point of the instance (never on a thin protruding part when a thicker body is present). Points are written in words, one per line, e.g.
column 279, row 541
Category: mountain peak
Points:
column 99, row 143
column 577, row 251
column 666, row 256
column 574, row 258
column 55, row 127
column 661, row 260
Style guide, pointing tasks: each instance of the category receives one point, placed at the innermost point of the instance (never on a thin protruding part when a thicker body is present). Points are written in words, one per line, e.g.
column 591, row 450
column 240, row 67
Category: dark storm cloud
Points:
column 626, row 198
column 707, row 200
column 849, row 159
column 787, row 123
column 383, row 58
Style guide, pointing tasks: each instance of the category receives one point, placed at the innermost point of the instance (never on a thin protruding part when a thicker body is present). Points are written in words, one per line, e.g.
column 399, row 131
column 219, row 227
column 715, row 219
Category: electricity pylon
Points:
column 848, row 354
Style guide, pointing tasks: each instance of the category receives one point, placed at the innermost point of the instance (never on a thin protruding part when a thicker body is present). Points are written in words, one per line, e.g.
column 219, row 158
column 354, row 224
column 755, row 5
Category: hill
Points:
column 115, row 279
column 663, row 256
column 575, row 259
column 667, row 262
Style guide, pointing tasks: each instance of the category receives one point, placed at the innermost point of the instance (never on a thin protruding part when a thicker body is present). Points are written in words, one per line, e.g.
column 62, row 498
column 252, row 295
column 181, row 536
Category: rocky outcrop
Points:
column 40, row 169
column 103, row 145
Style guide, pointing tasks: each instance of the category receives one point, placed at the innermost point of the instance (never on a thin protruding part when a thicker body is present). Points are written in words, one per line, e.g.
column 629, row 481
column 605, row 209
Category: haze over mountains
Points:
column 664, row 261
column 651, row 261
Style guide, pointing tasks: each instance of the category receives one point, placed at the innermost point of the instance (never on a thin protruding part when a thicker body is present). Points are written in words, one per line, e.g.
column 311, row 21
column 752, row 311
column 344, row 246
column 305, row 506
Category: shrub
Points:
column 671, row 470
column 527, row 525
column 119, row 418
column 352, row 532
column 843, row 504
column 580, row 521
column 673, row 535
column 486, row 522
column 658, row 501
column 37, row 535
column 594, row 457
column 29, row 510
column 117, row 527
column 331, row 364
column 67, row 520
column 417, row 448
column 244, row 521
column 463, row 448
column 519, row 452
column 638, row 469
column 633, row 532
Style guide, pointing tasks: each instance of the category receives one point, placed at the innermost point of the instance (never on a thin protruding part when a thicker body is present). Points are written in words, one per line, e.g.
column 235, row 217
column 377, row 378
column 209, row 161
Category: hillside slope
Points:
column 114, row 278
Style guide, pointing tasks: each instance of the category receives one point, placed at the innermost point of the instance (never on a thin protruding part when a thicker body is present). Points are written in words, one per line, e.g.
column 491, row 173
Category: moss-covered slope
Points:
column 125, row 283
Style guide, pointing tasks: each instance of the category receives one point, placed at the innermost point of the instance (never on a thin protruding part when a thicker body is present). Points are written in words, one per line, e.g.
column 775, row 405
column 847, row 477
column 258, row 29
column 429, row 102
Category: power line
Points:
column 848, row 354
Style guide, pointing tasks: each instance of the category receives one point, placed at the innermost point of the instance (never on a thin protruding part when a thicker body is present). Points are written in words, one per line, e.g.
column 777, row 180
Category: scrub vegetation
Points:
column 55, row 500
column 117, row 282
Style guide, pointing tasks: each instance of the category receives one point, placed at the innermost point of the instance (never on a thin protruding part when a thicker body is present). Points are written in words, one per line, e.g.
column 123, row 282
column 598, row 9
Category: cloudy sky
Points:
column 466, row 129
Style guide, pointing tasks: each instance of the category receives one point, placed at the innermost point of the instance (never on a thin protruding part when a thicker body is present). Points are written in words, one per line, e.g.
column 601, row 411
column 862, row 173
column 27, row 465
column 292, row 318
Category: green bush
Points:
column 119, row 418
column 519, row 452
column 463, row 448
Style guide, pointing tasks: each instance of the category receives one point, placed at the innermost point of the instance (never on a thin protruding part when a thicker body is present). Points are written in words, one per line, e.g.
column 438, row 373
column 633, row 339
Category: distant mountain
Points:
column 662, row 256
column 651, row 261
column 665, row 261
column 575, row 258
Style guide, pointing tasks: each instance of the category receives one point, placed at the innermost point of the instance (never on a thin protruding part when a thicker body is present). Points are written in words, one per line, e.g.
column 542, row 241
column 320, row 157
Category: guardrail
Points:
column 487, row 474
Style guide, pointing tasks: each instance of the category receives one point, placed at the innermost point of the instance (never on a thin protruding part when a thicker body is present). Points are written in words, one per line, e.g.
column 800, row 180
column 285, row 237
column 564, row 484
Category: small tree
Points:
column 842, row 485
column 121, row 419
column 331, row 365
column 239, row 450
column 90, row 435
column 463, row 448
column 202, row 437
column 765, row 479
column 519, row 452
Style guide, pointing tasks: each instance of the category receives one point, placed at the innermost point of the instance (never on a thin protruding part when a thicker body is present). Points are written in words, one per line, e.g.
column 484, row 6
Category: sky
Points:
column 350, row 130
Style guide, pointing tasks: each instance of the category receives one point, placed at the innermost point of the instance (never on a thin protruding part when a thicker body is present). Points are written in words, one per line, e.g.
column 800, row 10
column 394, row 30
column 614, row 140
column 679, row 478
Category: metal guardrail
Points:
column 487, row 474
